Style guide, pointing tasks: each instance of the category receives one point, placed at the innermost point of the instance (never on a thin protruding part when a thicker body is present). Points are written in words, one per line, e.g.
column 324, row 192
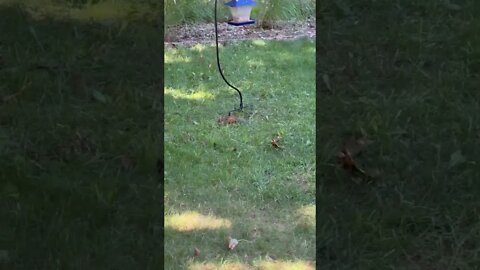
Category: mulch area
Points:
column 204, row 33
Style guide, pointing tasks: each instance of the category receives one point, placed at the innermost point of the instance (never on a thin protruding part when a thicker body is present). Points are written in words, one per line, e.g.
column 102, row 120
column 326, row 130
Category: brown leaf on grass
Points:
column 275, row 142
column 231, row 243
column 348, row 163
column 228, row 120
column 196, row 252
column 351, row 148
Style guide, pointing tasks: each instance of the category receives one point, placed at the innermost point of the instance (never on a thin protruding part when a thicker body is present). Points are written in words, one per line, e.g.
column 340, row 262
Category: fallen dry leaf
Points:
column 231, row 243
column 228, row 120
column 348, row 163
column 275, row 142
column 351, row 148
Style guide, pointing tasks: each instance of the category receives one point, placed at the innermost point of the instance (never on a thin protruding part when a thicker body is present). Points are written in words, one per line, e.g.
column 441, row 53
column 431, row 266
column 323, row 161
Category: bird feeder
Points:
column 240, row 10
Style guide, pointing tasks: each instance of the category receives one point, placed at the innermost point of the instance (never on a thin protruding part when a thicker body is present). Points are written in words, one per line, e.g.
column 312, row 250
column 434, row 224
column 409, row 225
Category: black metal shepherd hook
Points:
column 220, row 69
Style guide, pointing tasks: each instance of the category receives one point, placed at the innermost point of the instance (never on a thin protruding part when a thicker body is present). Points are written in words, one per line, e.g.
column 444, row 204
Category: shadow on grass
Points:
column 80, row 139
column 405, row 76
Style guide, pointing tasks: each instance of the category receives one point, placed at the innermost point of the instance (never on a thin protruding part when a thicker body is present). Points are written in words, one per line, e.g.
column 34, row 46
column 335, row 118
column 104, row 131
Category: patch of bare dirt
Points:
column 204, row 33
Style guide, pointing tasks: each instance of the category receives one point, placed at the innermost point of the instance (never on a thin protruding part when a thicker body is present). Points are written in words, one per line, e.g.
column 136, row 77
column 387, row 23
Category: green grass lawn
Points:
column 80, row 135
column 228, row 180
column 407, row 75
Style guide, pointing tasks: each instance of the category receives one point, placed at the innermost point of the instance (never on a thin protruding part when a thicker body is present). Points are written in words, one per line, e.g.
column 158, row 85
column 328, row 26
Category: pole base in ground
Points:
column 241, row 109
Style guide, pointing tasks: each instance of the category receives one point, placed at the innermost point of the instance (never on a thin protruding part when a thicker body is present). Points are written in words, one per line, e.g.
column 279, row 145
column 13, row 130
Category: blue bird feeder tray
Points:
column 241, row 10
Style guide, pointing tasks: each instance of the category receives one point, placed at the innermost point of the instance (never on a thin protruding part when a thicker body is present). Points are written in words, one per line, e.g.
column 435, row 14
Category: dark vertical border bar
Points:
column 160, row 163
column 317, row 125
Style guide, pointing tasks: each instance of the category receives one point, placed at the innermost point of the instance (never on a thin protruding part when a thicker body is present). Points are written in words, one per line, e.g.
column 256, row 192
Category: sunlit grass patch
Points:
column 255, row 63
column 284, row 265
column 173, row 58
column 189, row 221
column 199, row 47
column 259, row 42
column 405, row 76
column 196, row 95
column 219, row 266
column 258, row 265
column 306, row 215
